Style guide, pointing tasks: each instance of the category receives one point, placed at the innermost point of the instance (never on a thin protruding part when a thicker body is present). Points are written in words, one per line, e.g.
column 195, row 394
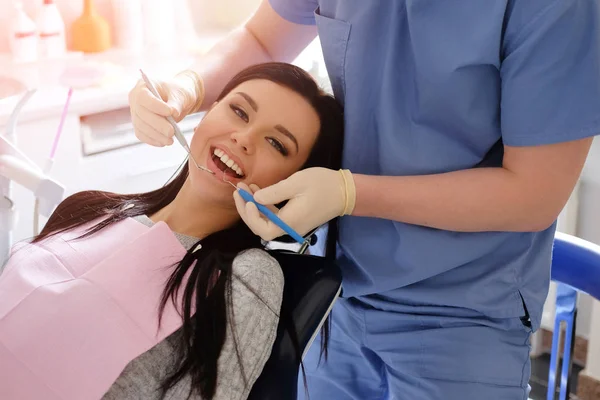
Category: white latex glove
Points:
column 315, row 196
column 181, row 96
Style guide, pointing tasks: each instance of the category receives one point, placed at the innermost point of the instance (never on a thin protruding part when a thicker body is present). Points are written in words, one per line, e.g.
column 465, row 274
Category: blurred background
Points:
column 96, row 47
column 43, row 41
column 201, row 14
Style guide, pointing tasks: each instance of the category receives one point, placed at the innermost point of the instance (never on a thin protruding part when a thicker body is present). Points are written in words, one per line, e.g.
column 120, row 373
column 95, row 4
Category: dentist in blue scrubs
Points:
column 467, row 126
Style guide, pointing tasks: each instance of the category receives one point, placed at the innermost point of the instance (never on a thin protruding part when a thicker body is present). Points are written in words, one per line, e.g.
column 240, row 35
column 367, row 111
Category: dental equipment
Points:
column 15, row 166
column 8, row 214
column 178, row 135
column 274, row 218
column 50, row 160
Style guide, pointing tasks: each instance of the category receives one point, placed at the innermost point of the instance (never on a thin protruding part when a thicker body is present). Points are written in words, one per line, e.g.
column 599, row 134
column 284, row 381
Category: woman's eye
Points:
column 278, row 146
column 239, row 112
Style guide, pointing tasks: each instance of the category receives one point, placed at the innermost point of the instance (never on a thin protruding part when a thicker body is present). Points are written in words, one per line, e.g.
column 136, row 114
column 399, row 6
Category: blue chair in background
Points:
column 575, row 269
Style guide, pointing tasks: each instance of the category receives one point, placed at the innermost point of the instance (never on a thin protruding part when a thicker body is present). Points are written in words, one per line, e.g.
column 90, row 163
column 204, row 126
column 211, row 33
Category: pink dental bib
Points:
column 74, row 313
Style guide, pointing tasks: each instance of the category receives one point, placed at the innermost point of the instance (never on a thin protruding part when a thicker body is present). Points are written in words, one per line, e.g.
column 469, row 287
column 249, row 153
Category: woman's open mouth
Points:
column 226, row 165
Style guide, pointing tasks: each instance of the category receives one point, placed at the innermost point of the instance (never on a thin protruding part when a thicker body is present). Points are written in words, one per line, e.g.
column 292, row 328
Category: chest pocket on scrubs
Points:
column 334, row 35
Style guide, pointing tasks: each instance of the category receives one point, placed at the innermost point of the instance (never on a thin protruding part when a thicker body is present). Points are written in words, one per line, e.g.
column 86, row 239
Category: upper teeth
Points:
column 228, row 161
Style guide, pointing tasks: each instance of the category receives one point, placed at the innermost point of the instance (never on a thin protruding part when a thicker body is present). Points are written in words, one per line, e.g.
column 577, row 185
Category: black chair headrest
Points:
column 311, row 286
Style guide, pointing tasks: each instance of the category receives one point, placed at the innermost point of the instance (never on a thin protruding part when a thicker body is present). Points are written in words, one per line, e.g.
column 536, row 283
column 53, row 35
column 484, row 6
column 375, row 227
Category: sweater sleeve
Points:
column 257, row 292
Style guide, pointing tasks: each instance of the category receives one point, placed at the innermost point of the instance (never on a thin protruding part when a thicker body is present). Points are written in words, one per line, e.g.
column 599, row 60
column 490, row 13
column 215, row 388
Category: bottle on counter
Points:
column 23, row 36
column 51, row 31
column 91, row 32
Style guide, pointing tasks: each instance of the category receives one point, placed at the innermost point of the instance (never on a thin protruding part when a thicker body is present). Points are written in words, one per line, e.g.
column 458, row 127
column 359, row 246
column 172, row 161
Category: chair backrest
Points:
column 576, row 262
column 312, row 284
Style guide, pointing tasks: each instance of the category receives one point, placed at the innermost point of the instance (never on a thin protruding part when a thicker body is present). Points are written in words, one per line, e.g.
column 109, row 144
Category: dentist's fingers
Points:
column 160, row 124
column 150, row 102
column 148, row 133
column 148, row 114
column 253, row 188
column 260, row 225
column 141, row 95
column 257, row 223
column 148, row 140
column 240, row 205
column 254, row 219
column 176, row 102
column 145, row 130
column 245, row 187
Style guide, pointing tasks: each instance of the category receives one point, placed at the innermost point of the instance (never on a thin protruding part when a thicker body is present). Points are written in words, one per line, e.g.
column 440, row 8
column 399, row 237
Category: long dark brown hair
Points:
column 208, row 287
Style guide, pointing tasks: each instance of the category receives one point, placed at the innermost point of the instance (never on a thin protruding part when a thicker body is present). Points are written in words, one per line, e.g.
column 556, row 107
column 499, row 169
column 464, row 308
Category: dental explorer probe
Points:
column 178, row 135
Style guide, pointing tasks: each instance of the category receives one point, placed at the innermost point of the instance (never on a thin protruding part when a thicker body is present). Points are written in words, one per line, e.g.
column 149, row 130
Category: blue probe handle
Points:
column 271, row 215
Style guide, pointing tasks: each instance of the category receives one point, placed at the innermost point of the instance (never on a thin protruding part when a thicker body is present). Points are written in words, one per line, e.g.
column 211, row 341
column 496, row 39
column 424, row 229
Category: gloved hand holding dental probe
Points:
column 314, row 196
column 181, row 95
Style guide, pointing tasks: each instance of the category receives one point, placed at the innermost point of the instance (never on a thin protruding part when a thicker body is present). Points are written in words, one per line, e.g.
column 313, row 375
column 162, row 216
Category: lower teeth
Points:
column 223, row 167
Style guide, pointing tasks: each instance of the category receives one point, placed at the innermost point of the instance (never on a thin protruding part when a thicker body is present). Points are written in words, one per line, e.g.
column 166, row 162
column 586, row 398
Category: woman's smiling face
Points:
column 259, row 133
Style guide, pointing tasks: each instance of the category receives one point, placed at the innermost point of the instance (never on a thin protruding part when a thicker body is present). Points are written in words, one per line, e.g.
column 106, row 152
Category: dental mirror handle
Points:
column 273, row 217
column 177, row 132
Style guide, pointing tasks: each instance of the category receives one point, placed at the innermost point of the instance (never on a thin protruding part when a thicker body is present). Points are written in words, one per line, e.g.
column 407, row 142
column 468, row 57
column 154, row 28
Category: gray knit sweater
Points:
column 254, row 320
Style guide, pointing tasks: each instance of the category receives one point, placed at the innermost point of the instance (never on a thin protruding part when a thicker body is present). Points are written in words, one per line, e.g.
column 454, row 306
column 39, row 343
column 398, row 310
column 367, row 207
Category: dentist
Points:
column 446, row 266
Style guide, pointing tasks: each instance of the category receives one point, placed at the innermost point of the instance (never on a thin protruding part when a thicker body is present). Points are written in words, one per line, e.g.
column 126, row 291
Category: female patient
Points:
column 166, row 294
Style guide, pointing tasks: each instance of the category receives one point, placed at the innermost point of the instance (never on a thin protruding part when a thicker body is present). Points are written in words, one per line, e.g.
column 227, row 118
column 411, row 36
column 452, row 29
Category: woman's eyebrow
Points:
column 287, row 133
column 280, row 128
column 250, row 100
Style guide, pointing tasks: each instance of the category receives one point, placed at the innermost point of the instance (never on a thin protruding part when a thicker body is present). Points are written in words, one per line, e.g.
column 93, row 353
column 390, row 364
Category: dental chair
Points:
column 312, row 285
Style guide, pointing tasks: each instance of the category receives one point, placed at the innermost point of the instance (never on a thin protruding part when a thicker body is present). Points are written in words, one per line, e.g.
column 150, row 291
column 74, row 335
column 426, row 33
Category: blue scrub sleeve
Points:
column 550, row 72
column 296, row 11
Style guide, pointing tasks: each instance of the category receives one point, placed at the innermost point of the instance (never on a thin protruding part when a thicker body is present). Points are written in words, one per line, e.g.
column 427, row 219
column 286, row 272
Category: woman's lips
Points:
column 218, row 174
column 230, row 156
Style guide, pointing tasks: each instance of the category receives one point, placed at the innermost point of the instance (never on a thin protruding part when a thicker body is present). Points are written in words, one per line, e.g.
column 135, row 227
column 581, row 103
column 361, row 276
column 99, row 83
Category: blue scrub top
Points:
column 428, row 87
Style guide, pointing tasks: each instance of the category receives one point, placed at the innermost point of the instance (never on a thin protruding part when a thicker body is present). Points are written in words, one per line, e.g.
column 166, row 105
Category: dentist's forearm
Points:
column 264, row 37
column 526, row 194
column 230, row 55
column 485, row 199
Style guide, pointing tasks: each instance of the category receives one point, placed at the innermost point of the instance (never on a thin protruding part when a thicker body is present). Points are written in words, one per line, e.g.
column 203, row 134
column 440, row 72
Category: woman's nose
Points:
column 245, row 140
